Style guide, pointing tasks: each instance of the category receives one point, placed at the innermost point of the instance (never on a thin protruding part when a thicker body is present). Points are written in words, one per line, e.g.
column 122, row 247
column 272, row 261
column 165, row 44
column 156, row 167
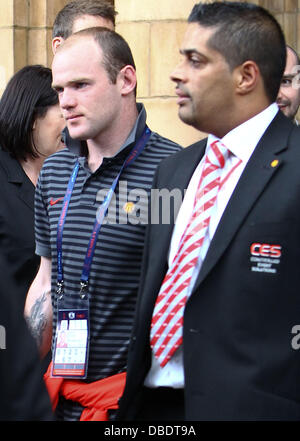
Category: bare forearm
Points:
column 39, row 319
column 38, row 307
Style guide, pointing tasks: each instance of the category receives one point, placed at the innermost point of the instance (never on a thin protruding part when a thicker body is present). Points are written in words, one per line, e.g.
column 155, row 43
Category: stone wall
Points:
column 154, row 30
column 25, row 34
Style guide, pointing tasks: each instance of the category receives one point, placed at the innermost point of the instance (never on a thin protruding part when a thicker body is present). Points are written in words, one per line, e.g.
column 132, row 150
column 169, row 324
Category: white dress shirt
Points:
column 241, row 141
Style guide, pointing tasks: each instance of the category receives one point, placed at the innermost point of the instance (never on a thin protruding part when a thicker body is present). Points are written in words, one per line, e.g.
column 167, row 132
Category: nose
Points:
column 178, row 74
column 279, row 96
column 66, row 99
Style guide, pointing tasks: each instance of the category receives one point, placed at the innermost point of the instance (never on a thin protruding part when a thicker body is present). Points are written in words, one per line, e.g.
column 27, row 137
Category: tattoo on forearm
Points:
column 37, row 320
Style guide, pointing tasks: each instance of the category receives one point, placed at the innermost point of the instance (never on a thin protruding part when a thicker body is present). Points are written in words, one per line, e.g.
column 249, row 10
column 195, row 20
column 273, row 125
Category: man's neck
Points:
column 107, row 145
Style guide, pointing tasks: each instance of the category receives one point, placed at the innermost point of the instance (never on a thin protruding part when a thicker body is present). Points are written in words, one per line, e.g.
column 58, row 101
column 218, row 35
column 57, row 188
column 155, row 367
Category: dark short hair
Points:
column 245, row 31
column 116, row 51
column 63, row 23
column 27, row 96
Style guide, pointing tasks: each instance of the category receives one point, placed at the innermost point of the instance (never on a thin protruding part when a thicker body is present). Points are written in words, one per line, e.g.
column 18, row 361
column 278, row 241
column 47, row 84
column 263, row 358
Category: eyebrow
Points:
column 189, row 51
column 289, row 76
column 73, row 81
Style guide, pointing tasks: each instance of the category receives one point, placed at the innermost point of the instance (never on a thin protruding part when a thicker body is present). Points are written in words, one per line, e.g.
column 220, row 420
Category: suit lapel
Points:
column 17, row 177
column 26, row 192
column 262, row 166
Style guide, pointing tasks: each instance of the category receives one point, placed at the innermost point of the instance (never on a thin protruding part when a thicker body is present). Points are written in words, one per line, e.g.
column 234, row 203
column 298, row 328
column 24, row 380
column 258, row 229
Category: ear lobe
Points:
column 247, row 77
column 127, row 79
column 56, row 42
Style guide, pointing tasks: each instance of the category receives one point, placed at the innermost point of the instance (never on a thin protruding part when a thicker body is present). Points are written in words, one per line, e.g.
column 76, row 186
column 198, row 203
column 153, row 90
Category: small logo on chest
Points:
column 54, row 201
column 265, row 258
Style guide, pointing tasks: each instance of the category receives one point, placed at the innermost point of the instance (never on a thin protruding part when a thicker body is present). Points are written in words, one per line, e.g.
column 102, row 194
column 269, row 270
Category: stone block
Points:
column 162, row 117
column 6, row 13
column 290, row 28
column 298, row 33
column 21, row 13
column 137, row 36
column 166, row 38
column 6, row 57
column 136, row 10
column 20, row 48
column 37, row 13
column 37, row 46
column 274, row 6
column 53, row 7
column 49, row 54
column 291, row 5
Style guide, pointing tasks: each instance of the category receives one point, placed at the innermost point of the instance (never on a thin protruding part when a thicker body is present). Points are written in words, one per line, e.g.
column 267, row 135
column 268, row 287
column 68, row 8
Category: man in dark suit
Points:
column 232, row 357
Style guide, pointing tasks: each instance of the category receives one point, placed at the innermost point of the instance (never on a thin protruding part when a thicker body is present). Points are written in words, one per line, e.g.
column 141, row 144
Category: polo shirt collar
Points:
column 138, row 128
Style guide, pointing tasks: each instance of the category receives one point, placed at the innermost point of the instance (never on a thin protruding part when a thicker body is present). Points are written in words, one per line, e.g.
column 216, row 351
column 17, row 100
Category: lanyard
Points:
column 101, row 212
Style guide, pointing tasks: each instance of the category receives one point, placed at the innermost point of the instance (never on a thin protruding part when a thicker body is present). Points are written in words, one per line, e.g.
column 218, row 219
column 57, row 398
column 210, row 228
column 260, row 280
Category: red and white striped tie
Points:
column 167, row 320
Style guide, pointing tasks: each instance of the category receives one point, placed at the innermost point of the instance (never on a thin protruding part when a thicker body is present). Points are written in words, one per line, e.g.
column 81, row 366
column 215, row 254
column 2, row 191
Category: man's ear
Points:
column 247, row 75
column 56, row 42
column 127, row 79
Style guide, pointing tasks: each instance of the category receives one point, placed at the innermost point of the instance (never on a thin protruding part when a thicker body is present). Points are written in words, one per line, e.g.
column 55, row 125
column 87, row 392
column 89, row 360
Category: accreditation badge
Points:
column 71, row 346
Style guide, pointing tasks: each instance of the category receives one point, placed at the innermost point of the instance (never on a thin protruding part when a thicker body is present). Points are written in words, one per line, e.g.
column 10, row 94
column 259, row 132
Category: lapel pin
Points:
column 274, row 163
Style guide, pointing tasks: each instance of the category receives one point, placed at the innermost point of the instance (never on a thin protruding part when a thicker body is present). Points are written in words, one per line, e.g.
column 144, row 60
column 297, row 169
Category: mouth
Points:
column 282, row 105
column 71, row 118
column 182, row 96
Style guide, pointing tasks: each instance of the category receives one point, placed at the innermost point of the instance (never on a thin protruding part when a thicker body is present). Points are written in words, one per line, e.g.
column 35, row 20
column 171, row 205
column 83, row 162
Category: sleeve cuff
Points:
column 42, row 250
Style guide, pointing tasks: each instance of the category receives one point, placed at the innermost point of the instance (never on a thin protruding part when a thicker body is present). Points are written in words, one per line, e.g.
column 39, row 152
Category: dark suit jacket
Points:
column 17, row 241
column 239, row 362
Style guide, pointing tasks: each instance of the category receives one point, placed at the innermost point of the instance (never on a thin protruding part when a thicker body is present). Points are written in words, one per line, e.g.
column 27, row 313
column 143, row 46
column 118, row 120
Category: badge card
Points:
column 71, row 344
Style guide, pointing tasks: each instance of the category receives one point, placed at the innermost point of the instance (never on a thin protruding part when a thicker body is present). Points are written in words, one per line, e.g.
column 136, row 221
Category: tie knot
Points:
column 218, row 153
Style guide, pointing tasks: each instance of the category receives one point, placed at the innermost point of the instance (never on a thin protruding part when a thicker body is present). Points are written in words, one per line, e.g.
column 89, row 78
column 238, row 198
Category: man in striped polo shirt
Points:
column 94, row 75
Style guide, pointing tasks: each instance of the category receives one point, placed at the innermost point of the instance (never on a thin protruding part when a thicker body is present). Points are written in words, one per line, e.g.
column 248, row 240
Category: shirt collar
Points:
column 243, row 139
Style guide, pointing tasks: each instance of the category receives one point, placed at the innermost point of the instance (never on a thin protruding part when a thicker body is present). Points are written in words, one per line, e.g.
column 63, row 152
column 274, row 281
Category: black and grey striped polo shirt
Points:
column 115, row 270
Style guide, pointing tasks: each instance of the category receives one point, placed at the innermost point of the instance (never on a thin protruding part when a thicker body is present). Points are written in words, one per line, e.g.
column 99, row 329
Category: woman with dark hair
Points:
column 30, row 130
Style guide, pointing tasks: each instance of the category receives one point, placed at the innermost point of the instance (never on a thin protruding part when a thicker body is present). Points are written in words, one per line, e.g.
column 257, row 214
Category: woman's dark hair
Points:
column 27, row 96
